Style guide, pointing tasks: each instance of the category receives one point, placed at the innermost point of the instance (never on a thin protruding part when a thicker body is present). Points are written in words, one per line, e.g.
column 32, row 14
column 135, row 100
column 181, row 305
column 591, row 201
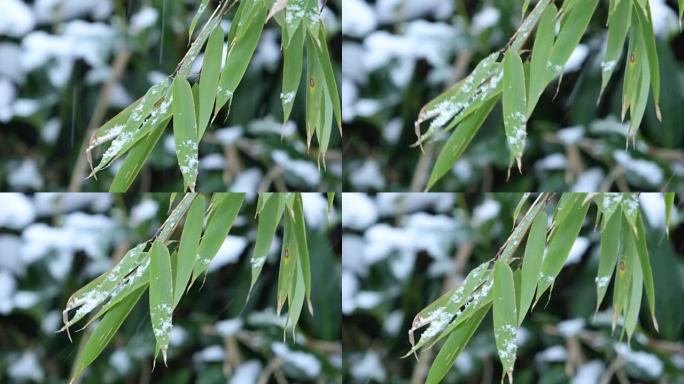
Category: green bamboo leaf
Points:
column 225, row 208
column 101, row 289
column 329, row 75
column 262, row 198
column 161, row 295
column 113, row 127
column 132, row 131
column 618, row 26
column 561, row 241
column 269, row 218
column 623, row 275
column 634, row 301
column 608, row 256
column 331, row 202
column 505, row 329
column 314, row 94
column 520, row 205
column 575, row 24
column 242, row 48
column 208, row 84
column 296, row 298
column 514, row 106
column 185, row 131
column 609, row 204
column 288, row 260
column 541, row 52
column 645, row 26
column 302, row 247
column 440, row 313
column 195, row 19
column 187, row 249
column 104, row 333
column 532, row 261
column 681, row 12
column 137, row 157
column 293, row 57
column 526, row 5
column 630, row 207
column 645, row 262
column 453, row 346
column 458, row 142
column 294, row 13
column 669, row 203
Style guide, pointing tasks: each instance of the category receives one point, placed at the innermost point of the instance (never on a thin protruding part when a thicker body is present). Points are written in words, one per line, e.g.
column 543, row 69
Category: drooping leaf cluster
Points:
column 508, row 285
column 168, row 267
column 520, row 83
column 192, row 108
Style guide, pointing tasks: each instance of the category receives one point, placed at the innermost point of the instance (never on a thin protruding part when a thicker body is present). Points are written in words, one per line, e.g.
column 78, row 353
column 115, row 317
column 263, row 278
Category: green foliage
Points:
column 167, row 266
column 623, row 252
column 137, row 129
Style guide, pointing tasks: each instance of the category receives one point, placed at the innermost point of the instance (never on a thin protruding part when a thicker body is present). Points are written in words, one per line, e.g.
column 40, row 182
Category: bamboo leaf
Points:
column 225, row 209
column 294, row 13
column 161, row 295
column 296, row 298
column 293, row 57
column 185, row 131
column 630, row 207
column 458, row 142
column 505, row 317
column 623, row 277
column 514, row 106
column 242, row 48
column 618, row 26
column 329, row 75
column 269, row 218
column 195, row 19
column 453, row 346
column 561, row 241
column 541, row 52
column 608, row 256
column 645, row 262
column 609, row 204
column 208, row 84
column 634, row 302
column 645, row 26
column 187, row 249
column 520, row 205
column 532, row 262
column 669, row 203
column 104, row 333
column 314, row 94
column 574, row 26
column 288, row 259
column 302, row 247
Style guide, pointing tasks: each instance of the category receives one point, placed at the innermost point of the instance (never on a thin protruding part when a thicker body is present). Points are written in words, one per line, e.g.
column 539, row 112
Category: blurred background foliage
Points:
column 53, row 244
column 68, row 66
column 399, row 54
column 402, row 251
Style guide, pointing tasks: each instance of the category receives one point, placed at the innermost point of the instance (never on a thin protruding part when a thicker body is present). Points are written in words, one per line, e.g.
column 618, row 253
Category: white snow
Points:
column 178, row 336
column 10, row 246
column 229, row 253
column 7, row 287
column 210, row 354
column 665, row 20
column 578, row 248
column 486, row 18
column 10, row 62
column 229, row 327
column 392, row 131
column 17, row 211
column 358, row 18
column 120, row 361
column 645, row 170
column 26, row 299
column 48, row 11
column 358, row 211
column 572, row 327
column 554, row 162
column 571, row 135
column 51, row 322
column 50, row 131
column 27, row 367
column 367, row 176
column 268, row 52
column 315, row 210
column 212, row 162
column 367, row 299
column 305, row 362
column 350, row 286
column 302, row 169
column 247, row 372
column 553, row 354
column 589, row 372
column 248, row 181
column 143, row 19
column 7, row 94
column 228, row 135
column 368, row 368
column 644, row 361
column 589, row 181
column 48, row 204
column 143, row 211
column 653, row 206
column 16, row 18
column 391, row 11
column 25, row 176
column 353, row 254
column 486, row 211
column 577, row 58
column 392, row 324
